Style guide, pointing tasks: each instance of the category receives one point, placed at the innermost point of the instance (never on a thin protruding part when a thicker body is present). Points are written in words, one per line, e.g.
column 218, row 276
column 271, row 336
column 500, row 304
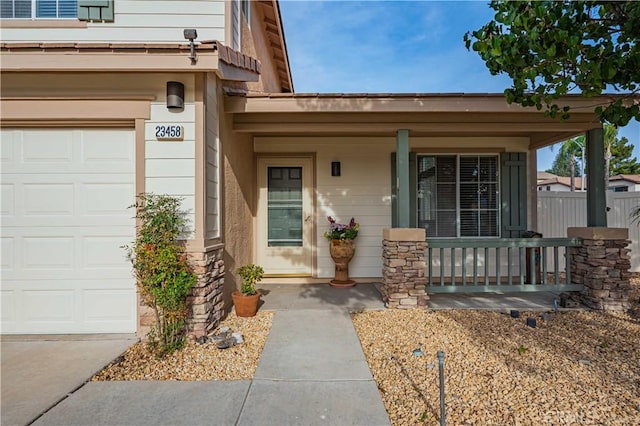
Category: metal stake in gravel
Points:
column 441, row 370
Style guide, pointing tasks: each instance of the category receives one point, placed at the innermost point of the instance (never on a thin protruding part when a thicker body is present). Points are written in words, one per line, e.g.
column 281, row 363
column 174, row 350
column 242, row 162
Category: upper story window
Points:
column 38, row 9
column 458, row 195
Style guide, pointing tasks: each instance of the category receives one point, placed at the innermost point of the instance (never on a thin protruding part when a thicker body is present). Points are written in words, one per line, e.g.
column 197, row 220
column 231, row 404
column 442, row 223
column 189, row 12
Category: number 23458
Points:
column 169, row 132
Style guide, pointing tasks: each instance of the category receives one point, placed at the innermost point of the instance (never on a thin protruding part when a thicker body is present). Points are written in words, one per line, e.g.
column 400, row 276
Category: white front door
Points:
column 285, row 216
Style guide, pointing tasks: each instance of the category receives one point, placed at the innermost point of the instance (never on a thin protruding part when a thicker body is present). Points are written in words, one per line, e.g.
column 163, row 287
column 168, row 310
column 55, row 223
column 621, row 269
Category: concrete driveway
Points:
column 39, row 371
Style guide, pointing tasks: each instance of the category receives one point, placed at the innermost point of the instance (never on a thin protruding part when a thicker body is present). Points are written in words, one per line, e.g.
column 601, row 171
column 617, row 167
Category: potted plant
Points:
column 247, row 298
column 342, row 248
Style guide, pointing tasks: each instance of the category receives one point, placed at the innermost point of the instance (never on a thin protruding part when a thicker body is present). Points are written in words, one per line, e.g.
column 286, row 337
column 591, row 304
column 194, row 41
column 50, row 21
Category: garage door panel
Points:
column 8, row 304
column 7, row 255
column 107, row 147
column 48, row 199
column 50, row 253
column 104, row 252
column 41, row 146
column 65, row 198
column 7, row 197
column 106, row 306
column 48, row 305
column 107, row 199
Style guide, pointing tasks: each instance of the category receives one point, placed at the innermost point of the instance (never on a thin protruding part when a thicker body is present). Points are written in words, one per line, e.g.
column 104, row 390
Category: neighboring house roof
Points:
column 563, row 180
column 566, row 180
column 86, row 56
column 545, row 176
column 629, row 178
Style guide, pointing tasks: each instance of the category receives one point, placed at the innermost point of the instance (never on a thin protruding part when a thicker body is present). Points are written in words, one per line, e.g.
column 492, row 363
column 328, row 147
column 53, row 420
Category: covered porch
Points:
column 387, row 148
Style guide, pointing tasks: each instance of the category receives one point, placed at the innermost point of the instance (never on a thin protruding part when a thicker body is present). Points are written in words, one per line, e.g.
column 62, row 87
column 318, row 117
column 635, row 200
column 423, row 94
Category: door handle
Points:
column 308, row 218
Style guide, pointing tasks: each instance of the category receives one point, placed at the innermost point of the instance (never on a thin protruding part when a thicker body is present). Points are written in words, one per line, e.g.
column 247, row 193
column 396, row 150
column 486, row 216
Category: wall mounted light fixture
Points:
column 191, row 34
column 175, row 95
column 335, row 168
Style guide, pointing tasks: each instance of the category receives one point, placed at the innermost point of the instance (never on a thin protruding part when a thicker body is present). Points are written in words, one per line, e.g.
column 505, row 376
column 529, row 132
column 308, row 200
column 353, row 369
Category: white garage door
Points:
column 65, row 195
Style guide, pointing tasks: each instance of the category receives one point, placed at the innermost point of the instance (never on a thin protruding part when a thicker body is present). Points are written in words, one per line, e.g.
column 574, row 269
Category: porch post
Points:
column 402, row 173
column 596, row 192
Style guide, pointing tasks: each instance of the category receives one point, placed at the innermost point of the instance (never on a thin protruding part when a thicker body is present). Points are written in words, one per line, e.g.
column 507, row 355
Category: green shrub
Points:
column 163, row 275
column 250, row 274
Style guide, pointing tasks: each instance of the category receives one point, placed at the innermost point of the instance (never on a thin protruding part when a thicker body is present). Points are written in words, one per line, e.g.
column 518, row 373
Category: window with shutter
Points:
column 458, row 195
column 38, row 9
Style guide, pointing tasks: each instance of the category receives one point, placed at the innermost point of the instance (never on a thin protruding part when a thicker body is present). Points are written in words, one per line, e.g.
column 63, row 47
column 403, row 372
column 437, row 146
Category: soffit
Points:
column 428, row 115
column 274, row 32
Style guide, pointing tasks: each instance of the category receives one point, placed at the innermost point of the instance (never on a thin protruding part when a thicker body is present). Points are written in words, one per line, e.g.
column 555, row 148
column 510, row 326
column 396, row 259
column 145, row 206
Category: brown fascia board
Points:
column 225, row 54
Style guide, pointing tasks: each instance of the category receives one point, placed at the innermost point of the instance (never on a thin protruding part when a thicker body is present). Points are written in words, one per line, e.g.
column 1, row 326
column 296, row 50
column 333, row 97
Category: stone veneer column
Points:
column 205, row 301
column 602, row 265
column 403, row 268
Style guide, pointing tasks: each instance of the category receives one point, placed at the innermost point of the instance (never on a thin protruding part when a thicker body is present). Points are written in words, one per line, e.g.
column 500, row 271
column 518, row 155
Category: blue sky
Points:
column 394, row 46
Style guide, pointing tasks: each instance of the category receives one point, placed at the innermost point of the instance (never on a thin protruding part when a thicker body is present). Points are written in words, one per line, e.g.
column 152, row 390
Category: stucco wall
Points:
column 363, row 190
column 256, row 45
column 238, row 200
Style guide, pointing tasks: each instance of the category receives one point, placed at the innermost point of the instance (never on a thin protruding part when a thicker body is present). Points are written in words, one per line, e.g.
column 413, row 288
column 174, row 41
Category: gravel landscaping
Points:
column 575, row 368
column 197, row 361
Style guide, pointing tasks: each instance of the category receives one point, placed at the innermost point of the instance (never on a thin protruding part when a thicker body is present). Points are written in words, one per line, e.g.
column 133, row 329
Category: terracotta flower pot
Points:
column 342, row 252
column 246, row 306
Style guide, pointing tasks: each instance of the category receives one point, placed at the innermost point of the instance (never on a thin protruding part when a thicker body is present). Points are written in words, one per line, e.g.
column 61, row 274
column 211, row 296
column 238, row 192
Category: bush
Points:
column 160, row 266
column 250, row 274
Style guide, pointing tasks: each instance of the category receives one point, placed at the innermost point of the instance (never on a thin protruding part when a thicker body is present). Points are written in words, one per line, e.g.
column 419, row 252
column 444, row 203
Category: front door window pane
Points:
column 284, row 206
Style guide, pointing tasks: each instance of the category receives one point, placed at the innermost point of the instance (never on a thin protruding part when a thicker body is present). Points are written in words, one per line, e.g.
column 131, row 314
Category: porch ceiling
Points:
column 423, row 115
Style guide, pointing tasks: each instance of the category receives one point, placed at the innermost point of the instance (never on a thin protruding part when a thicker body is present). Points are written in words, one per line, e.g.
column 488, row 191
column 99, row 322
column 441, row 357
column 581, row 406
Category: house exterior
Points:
column 560, row 183
column 624, row 183
column 87, row 123
column 617, row 183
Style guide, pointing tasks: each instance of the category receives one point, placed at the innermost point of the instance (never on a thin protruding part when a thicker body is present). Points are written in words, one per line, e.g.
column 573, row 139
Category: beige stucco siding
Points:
column 238, row 201
column 256, row 44
column 134, row 21
column 363, row 190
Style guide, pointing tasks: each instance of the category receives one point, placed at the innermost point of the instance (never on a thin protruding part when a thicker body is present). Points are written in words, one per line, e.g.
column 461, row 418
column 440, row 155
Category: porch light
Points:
column 175, row 95
column 335, row 168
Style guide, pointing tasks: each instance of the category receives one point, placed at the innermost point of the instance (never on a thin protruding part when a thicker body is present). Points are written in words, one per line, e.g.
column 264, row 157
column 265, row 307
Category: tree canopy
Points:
column 570, row 150
column 553, row 48
column 618, row 155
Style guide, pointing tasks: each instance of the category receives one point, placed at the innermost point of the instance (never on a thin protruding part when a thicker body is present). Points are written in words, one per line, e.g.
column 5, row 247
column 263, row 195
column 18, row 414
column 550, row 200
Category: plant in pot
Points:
column 342, row 248
column 246, row 299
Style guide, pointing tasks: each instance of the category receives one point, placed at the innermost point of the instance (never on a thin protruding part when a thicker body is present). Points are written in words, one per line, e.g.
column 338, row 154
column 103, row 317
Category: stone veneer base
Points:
column 403, row 270
column 602, row 266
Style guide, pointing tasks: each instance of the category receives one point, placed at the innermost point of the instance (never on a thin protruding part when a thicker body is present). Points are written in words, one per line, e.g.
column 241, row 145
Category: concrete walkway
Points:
column 312, row 372
column 39, row 371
